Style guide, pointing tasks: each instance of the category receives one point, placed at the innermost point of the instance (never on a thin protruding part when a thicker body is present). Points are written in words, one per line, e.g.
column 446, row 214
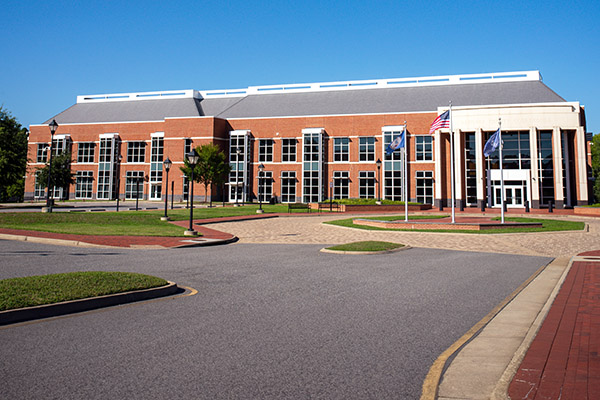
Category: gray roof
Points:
column 335, row 102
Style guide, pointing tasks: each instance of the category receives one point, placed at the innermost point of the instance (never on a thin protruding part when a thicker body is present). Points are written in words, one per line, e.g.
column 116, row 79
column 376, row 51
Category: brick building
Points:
column 322, row 140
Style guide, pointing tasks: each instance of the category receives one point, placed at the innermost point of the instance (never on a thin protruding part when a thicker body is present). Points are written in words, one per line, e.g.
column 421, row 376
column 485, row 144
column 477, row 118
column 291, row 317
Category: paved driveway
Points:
column 269, row 321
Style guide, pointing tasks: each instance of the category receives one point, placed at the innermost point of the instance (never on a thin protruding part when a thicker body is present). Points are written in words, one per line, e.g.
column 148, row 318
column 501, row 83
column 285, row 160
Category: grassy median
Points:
column 48, row 289
column 548, row 225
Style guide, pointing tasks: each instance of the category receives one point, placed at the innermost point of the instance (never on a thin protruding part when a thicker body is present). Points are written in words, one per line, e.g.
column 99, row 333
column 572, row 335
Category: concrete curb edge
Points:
column 74, row 306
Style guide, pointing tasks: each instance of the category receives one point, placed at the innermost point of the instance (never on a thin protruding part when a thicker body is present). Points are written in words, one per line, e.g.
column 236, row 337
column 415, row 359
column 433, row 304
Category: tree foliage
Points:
column 596, row 166
column 212, row 167
column 61, row 175
column 13, row 157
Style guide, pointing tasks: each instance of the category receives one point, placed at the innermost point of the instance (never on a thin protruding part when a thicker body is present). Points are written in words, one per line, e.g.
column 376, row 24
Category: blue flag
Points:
column 397, row 143
column 492, row 144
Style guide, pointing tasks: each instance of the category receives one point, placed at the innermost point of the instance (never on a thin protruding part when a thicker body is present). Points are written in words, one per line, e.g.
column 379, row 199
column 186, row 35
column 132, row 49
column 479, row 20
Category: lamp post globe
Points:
column 167, row 164
column 192, row 159
column 53, row 127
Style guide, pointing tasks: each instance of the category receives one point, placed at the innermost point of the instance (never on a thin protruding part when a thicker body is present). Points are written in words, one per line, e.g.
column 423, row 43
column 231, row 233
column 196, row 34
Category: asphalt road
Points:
column 268, row 322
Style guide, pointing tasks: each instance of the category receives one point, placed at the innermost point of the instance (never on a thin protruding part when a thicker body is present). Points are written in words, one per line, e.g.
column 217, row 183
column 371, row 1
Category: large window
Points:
column 341, row 184
column 424, row 187
column 40, row 191
column 84, row 184
column 106, row 168
column 265, row 150
column 85, row 152
column 156, row 167
column 312, row 188
column 134, row 184
column 341, row 149
column 42, row 152
column 366, row 149
column 288, row 186
column 470, row 168
column 515, row 151
column 366, row 184
column 265, row 188
column 288, row 150
column 392, row 167
column 545, row 167
column 424, row 148
column 136, row 152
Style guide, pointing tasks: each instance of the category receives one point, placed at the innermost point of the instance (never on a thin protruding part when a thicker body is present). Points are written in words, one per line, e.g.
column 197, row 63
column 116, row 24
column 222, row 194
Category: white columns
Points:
column 459, row 166
column 581, row 163
column 479, row 167
column 439, row 177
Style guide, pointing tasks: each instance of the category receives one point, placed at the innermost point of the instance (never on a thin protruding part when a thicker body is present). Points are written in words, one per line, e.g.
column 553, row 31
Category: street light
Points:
column 167, row 164
column 53, row 127
column 192, row 158
column 261, row 168
column 378, row 163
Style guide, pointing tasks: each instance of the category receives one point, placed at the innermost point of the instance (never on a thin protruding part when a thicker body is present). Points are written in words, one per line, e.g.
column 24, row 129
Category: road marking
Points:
column 432, row 380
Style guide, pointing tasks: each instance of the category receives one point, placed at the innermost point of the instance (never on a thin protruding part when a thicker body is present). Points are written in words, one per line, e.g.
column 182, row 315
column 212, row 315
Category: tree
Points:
column 212, row 167
column 13, row 157
column 596, row 166
column 61, row 176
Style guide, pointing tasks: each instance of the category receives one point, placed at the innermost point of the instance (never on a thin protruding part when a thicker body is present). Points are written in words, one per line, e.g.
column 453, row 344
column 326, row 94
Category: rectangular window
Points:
column 187, row 146
column 84, row 184
column 545, row 167
column 424, row 187
column 40, row 191
column 366, row 149
column 341, row 149
column 136, row 152
column 392, row 169
column 366, row 184
column 470, row 169
column 424, row 147
column 85, row 152
column 265, row 188
column 288, row 186
column 341, row 184
column 134, row 184
column 288, row 150
column 312, row 188
column 42, row 152
column 156, row 167
column 106, row 167
column 265, row 150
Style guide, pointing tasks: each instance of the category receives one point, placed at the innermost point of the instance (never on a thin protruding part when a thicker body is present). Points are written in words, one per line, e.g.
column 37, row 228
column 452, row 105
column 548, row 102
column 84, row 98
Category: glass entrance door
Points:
column 513, row 195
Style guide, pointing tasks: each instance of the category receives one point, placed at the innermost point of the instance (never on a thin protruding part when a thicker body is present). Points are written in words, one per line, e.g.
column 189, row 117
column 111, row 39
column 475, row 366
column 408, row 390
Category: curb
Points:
column 405, row 247
column 207, row 242
column 74, row 306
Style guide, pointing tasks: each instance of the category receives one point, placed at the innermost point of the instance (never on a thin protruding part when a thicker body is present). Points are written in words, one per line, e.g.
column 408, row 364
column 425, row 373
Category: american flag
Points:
column 442, row 121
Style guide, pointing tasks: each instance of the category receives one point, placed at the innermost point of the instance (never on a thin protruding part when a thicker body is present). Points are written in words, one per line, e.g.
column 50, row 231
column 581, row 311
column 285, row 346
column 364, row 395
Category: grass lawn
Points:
column 47, row 289
column 548, row 225
column 366, row 246
column 136, row 223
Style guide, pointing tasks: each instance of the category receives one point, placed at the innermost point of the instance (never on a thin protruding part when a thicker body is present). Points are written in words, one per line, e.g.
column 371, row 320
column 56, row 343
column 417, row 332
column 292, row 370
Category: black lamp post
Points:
column 378, row 163
column 261, row 168
column 192, row 158
column 167, row 164
column 53, row 127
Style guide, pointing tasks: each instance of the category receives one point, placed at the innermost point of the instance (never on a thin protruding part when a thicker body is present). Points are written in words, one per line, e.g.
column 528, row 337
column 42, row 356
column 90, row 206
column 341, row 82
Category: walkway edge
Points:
column 501, row 390
column 74, row 306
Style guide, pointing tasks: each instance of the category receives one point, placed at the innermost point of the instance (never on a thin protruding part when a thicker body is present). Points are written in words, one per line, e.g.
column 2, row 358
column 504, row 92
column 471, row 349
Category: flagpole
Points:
column 501, row 170
column 452, row 165
column 405, row 175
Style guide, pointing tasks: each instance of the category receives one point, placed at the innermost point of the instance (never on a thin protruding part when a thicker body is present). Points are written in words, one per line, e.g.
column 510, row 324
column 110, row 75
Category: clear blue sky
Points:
column 53, row 51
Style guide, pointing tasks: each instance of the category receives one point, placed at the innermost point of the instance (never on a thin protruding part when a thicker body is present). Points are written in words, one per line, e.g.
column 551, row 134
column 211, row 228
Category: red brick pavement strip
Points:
column 563, row 362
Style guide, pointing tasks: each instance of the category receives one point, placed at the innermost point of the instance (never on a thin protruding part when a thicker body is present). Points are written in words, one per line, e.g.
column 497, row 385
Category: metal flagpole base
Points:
column 190, row 233
column 165, row 218
column 260, row 211
column 46, row 209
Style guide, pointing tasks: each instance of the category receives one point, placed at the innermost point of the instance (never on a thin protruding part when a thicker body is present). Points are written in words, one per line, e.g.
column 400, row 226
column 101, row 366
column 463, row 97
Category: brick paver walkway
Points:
column 563, row 362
